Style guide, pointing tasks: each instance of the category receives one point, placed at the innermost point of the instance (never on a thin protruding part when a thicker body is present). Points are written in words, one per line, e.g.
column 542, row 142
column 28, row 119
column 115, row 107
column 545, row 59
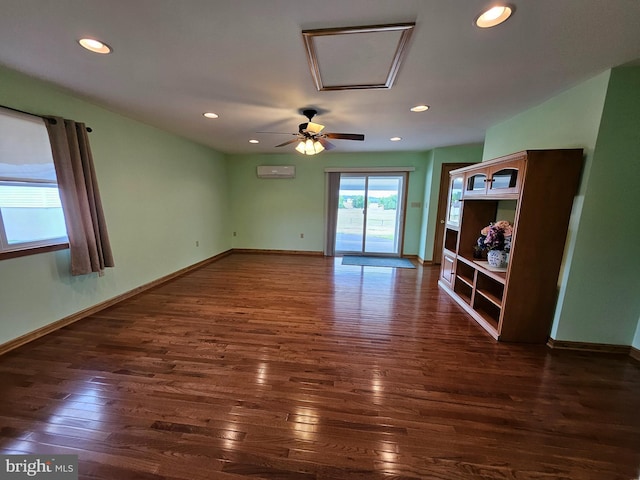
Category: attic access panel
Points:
column 356, row 58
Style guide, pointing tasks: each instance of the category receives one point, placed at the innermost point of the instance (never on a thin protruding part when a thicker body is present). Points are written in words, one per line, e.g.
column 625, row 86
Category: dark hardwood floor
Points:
column 292, row 367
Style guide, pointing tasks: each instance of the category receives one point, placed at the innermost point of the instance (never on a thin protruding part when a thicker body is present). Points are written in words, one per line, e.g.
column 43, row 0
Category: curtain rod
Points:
column 89, row 129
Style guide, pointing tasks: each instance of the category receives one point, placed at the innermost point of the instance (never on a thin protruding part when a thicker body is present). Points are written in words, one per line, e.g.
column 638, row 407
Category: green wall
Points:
column 426, row 199
column 437, row 157
column 160, row 192
column 568, row 120
column 272, row 213
column 598, row 293
column 603, row 290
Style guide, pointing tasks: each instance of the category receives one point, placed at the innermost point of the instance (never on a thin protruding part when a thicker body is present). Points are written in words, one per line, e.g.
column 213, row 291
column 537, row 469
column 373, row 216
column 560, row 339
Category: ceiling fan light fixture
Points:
column 494, row 16
column 309, row 149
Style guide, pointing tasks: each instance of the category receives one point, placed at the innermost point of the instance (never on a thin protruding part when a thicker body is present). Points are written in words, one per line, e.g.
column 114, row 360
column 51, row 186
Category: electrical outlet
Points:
column 302, row 235
column 197, row 243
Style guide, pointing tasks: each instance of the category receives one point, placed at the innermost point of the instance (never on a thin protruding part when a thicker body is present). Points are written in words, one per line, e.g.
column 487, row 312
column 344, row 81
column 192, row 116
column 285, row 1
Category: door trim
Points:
column 402, row 172
column 369, row 169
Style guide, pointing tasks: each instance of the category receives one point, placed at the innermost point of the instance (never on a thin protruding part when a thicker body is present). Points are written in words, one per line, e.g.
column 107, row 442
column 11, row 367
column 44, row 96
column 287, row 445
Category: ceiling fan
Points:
column 312, row 140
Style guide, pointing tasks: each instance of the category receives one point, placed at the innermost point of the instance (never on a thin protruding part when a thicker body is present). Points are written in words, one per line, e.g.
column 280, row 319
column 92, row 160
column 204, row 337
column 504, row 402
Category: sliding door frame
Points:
column 332, row 187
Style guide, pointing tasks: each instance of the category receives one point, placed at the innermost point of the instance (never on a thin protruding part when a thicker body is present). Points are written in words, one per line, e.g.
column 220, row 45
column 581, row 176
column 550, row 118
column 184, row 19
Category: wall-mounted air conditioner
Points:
column 282, row 171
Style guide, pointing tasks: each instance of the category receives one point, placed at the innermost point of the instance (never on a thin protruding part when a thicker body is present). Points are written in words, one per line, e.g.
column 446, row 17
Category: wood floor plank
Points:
column 293, row 367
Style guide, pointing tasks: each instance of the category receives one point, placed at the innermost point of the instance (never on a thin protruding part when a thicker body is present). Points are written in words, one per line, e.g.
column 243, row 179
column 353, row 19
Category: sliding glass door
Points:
column 370, row 214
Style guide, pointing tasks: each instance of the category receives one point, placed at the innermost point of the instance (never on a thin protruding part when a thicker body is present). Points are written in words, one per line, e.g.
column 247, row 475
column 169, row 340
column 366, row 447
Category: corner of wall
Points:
column 585, row 305
column 636, row 338
column 424, row 221
column 470, row 153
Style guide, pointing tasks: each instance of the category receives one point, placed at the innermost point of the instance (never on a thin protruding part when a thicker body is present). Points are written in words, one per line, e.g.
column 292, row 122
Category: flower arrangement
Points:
column 495, row 236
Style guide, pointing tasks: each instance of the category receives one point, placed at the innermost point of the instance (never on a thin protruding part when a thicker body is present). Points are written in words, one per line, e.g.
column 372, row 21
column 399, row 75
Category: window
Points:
column 30, row 211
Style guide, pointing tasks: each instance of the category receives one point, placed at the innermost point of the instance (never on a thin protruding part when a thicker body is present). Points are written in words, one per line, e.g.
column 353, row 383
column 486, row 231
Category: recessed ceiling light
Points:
column 494, row 16
column 395, row 139
column 420, row 108
column 210, row 115
column 253, row 140
column 95, row 46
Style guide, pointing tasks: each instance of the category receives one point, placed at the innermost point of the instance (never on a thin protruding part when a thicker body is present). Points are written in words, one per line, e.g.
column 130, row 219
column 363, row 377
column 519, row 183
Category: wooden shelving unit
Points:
column 536, row 189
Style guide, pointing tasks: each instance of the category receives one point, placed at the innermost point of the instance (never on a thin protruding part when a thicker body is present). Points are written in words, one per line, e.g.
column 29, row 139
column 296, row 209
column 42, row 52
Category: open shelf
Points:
column 478, row 265
column 463, row 289
column 497, row 301
column 465, row 280
column 489, row 311
column 490, row 289
column 466, row 274
column 486, row 266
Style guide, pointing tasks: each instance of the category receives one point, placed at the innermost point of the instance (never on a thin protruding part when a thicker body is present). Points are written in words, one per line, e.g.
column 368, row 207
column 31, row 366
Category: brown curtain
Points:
column 86, row 227
column 333, row 198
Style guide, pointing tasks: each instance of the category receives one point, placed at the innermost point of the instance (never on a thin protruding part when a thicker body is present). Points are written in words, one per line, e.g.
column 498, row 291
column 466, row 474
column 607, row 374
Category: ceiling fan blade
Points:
column 288, row 143
column 279, row 133
column 327, row 145
column 345, row 136
column 314, row 127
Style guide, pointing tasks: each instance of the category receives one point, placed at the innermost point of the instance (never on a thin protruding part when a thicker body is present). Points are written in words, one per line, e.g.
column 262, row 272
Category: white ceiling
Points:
column 245, row 60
